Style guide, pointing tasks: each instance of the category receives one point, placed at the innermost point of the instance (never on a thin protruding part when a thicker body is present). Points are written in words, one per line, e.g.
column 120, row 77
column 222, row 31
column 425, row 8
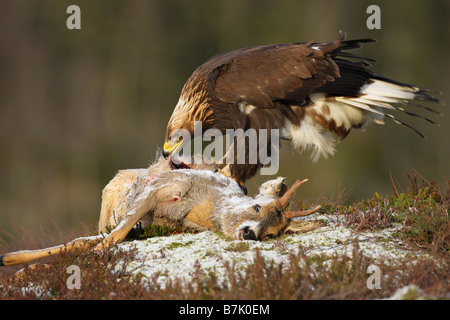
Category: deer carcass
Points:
column 196, row 198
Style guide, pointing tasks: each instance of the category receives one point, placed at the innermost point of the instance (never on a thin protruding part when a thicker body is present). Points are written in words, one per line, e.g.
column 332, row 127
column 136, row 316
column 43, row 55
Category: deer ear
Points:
column 275, row 188
column 283, row 188
column 302, row 226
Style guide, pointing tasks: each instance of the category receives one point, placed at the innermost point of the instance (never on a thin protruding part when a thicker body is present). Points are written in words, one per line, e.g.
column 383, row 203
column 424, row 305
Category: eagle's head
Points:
column 175, row 136
column 193, row 106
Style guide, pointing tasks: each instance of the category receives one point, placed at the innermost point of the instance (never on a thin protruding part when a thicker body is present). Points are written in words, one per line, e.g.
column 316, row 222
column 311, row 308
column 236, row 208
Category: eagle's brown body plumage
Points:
column 308, row 91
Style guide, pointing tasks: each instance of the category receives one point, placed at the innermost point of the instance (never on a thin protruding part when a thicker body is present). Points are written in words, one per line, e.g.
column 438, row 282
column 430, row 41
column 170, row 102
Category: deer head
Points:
column 265, row 217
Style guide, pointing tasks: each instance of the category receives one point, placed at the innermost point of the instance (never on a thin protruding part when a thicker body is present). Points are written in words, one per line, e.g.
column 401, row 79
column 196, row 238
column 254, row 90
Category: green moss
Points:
column 238, row 246
column 150, row 231
column 412, row 294
column 222, row 236
column 210, row 253
column 328, row 208
column 175, row 245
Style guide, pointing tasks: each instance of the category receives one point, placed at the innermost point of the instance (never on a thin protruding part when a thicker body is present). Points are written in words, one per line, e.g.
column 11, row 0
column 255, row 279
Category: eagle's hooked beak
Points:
column 168, row 149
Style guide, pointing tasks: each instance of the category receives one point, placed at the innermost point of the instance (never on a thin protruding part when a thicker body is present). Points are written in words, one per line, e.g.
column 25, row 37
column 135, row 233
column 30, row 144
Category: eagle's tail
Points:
column 361, row 88
column 340, row 111
column 381, row 94
column 355, row 97
column 375, row 93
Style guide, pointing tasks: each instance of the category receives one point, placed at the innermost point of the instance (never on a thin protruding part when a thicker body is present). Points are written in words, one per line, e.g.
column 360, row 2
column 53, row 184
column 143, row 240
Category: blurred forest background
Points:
column 78, row 105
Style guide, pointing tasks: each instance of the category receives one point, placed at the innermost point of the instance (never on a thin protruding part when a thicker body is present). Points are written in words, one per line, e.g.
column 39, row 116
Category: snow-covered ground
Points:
column 178, row 256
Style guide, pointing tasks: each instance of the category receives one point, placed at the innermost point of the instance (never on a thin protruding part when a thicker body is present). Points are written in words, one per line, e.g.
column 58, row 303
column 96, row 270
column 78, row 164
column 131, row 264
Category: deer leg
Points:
column 302, row 226
column 25, row 256
column 126, row 182
column 117, row 235
column 128, row 222
column 84, row 243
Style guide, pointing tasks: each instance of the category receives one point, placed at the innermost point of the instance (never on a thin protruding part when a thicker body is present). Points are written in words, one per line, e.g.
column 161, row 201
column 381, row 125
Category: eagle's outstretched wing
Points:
column 261, row 75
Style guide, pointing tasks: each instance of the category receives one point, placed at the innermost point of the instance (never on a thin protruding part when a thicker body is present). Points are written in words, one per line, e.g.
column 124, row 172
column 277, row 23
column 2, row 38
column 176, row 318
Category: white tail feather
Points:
column 340, row 114
column 389, row 90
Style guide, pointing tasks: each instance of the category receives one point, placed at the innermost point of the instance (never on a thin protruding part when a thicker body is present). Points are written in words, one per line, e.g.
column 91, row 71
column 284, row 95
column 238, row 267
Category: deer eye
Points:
column 257, row 207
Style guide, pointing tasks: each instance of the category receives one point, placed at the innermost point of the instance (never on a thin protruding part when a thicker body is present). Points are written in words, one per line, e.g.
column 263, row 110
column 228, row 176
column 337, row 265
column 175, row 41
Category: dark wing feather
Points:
column 260, row 75
column 354, row 76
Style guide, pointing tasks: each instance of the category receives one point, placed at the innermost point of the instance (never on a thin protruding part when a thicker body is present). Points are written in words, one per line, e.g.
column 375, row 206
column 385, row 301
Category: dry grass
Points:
column 345, row 278
column 422, row 211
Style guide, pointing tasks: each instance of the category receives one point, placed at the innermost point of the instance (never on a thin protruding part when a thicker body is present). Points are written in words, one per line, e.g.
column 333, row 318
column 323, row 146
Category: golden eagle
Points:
column 310, row 92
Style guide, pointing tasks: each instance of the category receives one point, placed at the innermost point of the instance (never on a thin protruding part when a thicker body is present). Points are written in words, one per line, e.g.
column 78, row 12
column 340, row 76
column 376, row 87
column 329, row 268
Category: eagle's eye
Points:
column 175, row 138
column 257, row 208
